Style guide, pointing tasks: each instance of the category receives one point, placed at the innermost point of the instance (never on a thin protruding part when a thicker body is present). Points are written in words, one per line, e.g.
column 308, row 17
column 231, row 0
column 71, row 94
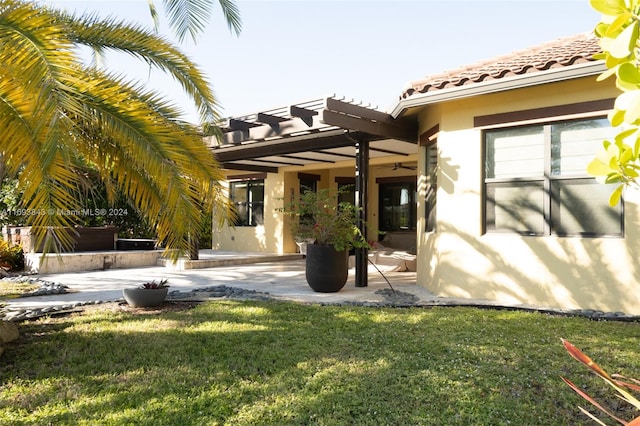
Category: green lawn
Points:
column 253, row 363
column 13, row 289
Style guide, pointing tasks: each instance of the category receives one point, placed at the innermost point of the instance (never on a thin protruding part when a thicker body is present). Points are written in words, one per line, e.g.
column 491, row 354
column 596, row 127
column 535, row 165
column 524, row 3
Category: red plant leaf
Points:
column 619, row 385
column 592, row 401
column 633, row 386
column 584, row 359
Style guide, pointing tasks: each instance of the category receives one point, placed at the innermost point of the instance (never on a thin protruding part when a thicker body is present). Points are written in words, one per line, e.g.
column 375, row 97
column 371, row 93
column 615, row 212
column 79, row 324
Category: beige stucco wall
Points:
column 458, row 260
column 275, row 236
column 265, row 238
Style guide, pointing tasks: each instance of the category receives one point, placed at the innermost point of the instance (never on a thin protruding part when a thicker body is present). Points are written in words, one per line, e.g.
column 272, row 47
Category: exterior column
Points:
column 362, row 179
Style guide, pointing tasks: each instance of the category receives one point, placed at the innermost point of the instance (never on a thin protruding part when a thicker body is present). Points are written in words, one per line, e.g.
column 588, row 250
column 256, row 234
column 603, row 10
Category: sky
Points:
column 366, row 50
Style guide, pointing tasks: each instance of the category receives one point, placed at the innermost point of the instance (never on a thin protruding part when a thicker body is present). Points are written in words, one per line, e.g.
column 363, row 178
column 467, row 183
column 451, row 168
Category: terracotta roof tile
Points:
column 562, row 52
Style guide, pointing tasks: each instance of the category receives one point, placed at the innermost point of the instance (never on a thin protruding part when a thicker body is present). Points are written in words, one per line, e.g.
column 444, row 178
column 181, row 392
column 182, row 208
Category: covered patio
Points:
column 320, row 132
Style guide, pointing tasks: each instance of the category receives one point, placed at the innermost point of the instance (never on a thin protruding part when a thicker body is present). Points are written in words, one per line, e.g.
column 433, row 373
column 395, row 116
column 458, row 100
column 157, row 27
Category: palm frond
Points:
column 152, row 48
column 162, row 167
column 155, row 17
column 231, row 13
column 187, row 16
column 191, row 16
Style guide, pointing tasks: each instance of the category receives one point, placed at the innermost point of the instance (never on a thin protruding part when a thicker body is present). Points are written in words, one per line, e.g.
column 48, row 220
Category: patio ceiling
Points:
column 319, row 131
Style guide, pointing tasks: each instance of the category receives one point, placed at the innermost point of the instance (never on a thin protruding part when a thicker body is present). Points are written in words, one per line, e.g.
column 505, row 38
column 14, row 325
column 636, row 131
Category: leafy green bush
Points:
column 11, row 257
column 619, row 34
column 320, row 217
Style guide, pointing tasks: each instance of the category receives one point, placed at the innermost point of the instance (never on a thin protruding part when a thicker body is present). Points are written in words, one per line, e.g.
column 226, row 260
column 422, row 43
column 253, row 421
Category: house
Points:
column 480, row 169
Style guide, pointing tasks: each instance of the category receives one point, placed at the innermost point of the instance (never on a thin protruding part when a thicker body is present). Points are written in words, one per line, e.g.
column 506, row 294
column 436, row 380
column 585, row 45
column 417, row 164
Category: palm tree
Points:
column 57, row 116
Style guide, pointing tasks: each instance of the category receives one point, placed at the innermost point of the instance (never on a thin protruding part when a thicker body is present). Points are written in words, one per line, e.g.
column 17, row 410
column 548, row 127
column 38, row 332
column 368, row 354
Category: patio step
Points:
column 229, row 259
column 89, row 261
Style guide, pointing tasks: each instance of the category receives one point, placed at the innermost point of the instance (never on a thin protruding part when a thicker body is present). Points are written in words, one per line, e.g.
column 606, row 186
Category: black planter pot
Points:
column 145, row 297
column 326, row 269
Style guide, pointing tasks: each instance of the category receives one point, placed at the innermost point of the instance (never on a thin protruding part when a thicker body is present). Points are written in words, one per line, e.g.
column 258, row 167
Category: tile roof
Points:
column 563, row 52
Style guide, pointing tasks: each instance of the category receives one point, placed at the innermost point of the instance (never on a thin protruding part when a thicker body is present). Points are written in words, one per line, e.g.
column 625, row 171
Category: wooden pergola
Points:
column 324, row 130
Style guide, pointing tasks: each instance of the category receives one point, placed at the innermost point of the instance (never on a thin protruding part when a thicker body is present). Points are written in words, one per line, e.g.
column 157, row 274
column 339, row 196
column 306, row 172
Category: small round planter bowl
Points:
column 145, row 297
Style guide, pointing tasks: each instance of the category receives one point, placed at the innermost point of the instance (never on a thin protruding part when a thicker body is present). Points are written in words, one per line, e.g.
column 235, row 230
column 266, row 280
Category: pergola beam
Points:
column 281, row 146
column 388, row 151
column 283, row 163
column 300, row 112
column 301, row 157
column 237, row 124
column 249, row 168
column 377, row 128
column 283, row 130
column 270, row 119
column 332, row 104
column 335, row 154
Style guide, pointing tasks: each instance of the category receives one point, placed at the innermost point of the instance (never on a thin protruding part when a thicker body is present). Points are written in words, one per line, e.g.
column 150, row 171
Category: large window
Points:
column 397, row 206
column 536, row 183
column 248, row 198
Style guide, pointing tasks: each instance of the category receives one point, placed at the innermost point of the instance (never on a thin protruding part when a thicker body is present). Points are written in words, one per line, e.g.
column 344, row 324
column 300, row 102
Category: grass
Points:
column 255, row 363
column 13, row 289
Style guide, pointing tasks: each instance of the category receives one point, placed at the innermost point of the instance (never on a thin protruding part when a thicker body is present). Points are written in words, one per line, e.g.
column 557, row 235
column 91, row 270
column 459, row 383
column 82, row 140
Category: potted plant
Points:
column 330, row 228
column 151, row 293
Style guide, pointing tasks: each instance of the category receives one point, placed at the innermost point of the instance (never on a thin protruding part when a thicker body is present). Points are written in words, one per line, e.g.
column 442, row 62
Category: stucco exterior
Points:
column 274, row 235
column 267, row 237
column 461, row 260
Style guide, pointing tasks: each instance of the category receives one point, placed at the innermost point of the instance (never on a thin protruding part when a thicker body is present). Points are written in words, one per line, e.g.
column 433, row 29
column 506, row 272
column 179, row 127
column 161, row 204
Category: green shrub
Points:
column 11, row 257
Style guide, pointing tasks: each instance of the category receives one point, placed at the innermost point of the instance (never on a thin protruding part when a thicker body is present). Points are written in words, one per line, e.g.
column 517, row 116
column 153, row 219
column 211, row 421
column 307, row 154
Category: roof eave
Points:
column 499, row 85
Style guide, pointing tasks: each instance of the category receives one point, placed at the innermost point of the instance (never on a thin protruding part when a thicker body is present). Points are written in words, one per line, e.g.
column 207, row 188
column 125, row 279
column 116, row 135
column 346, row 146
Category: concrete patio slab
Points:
column 280, row 279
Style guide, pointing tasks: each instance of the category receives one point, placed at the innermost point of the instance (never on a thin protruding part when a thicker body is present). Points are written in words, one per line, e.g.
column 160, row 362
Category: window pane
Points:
column 431, row 202
column 403, row 212
column 516, row 207
column 257, row 214
column 243, row 214
column 581, row 207
column 575, row 143
column 239, row 192
column 256, row 192
column 248, row 199
column 517, row 152
column 397, row 207
column 347, row 193
column 432, row 187
column 308, row 185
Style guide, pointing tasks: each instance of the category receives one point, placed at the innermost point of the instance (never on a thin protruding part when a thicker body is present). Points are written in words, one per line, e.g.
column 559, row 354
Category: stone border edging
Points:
column 397, row 299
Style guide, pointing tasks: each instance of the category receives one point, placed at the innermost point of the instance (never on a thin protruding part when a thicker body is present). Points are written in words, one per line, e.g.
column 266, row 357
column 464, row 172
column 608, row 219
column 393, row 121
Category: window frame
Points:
column 412, row 186
column 431, row 188
column 547, row 181
column 251, row 220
